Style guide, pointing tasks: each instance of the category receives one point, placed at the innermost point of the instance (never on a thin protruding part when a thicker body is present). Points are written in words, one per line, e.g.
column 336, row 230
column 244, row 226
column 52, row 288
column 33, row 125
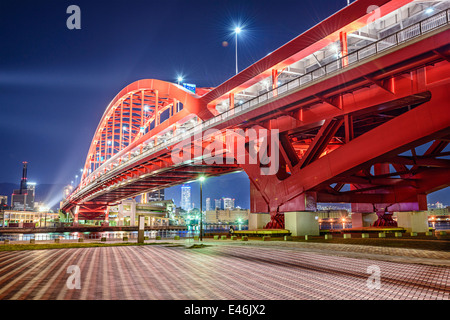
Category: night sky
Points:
column 55, row 83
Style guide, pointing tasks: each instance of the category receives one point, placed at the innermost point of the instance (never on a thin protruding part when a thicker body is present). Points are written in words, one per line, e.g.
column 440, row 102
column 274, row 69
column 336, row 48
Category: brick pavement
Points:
column 221, row 271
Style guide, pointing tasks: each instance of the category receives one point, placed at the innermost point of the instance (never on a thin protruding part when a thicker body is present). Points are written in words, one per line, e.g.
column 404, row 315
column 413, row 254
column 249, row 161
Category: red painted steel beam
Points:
column 430, row 120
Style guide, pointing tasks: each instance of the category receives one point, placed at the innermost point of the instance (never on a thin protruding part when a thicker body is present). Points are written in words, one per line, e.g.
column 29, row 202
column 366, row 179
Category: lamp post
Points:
column 237, row 30
column 201, row 179
column 179, row 79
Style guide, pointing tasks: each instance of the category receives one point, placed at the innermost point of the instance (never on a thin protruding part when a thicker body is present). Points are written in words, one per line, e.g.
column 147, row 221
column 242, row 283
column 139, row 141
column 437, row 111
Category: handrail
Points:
column 400, row 36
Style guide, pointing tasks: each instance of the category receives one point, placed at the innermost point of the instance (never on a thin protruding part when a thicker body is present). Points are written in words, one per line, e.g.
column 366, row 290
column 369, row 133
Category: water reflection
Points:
column 168, row 234
column 118, row 235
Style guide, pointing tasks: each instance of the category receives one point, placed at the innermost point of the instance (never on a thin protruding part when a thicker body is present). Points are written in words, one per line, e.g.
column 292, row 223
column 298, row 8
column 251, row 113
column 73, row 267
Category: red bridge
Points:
column 352, row 99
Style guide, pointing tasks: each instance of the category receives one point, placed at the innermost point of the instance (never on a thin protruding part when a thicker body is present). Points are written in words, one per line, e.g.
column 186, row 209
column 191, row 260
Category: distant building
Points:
column 208, row 204
column 4, row 203
column 186, row 198
column 217, row 203
column 23, row 199
column 228, row 203
column 157, row 195
column 227, row 216
column 3, row 200
column 157, row 213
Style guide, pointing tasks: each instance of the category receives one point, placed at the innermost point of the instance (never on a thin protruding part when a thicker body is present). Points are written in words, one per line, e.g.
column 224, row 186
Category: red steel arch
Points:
column 138, row 112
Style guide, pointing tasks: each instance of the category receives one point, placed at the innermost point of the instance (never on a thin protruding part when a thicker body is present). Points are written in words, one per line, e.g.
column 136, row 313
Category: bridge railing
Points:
column 436, row 21
column 429, row 24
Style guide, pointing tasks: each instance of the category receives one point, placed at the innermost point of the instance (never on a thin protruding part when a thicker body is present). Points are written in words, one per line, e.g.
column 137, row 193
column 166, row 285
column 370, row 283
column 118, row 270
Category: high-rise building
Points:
column 23, row 198
column 208, row 204
column 228, row 203
column 218, row 203
column 157, row 195
column 186, row 198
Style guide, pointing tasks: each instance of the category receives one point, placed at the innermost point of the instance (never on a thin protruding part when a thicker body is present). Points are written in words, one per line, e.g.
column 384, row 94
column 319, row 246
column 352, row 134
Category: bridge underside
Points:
column 144, row 179
column 368, row 158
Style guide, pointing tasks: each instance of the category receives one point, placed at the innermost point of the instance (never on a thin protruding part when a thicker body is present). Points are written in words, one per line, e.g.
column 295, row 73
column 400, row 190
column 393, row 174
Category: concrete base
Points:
column 413, row 221
column 361, row 220
column 258, row 220
column 302, row 223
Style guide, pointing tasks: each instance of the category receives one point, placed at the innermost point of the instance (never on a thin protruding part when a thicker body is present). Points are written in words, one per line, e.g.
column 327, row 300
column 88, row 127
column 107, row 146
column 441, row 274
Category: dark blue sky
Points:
column 55, row 83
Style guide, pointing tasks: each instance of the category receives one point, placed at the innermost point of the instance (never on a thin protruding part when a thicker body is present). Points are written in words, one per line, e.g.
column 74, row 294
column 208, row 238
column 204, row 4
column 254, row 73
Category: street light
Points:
column 237, row 30
column 179, row 79
column 201, row 179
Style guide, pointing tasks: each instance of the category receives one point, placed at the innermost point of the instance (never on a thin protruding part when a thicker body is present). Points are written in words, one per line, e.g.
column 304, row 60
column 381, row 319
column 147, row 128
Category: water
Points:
column 111, row 235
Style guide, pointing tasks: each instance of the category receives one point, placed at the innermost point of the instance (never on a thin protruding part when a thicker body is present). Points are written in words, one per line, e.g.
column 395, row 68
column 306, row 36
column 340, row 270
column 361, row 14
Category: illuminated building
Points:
column 218, row 204
column 157, row 195
column 186, row 198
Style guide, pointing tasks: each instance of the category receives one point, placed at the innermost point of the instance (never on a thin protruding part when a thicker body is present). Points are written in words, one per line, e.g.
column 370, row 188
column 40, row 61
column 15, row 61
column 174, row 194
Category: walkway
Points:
column 221, row 271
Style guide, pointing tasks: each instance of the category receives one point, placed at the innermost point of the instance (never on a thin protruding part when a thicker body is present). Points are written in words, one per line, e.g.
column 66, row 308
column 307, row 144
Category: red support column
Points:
column 231, row 101
column 344, row 48
column 107, row 216
column 348, row 121
column 75, row 216
column 275, row 75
